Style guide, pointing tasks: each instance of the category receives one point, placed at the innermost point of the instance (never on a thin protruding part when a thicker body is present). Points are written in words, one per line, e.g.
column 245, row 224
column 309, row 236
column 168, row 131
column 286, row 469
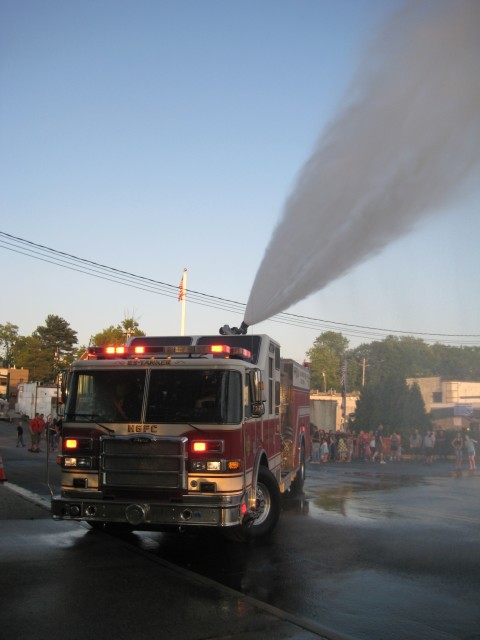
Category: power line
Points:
column 142, row 283
column 104, row 272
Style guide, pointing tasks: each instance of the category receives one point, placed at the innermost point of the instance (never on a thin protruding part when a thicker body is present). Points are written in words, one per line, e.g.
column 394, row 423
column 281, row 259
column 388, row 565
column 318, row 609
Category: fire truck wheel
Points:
column 268, row 499
column 297, row 484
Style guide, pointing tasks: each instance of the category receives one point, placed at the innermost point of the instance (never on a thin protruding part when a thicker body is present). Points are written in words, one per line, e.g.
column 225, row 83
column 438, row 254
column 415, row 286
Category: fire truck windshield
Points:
column 165, row 396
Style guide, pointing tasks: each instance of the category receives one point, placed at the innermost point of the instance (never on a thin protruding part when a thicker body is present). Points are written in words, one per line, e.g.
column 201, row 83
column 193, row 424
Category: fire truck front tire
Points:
column 297, row 484
column 268, row 501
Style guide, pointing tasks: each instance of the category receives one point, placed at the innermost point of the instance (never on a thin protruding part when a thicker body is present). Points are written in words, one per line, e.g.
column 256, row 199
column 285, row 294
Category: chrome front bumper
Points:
column 148, row 514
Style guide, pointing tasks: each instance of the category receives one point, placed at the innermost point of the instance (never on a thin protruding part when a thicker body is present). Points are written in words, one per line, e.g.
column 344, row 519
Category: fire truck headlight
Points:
column 84, row 463
column 201, row 466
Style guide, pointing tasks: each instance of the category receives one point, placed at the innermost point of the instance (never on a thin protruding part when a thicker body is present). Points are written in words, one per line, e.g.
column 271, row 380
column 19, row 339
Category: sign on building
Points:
column 463, row 410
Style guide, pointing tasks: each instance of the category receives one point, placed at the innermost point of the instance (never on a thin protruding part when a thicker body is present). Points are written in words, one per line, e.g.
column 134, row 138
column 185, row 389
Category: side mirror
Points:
column 257, row 393
column 258, row 409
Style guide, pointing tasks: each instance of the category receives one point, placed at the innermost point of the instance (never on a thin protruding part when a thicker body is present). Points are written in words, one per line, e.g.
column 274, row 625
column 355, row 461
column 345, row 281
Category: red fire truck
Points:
column 187, row 431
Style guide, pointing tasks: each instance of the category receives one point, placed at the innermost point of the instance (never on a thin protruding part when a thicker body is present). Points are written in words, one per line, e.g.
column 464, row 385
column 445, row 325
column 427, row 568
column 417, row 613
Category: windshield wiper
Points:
column 91, row 419
column 194, row 427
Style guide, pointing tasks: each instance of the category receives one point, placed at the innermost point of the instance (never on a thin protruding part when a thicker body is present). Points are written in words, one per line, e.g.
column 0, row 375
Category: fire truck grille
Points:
column 146, row 462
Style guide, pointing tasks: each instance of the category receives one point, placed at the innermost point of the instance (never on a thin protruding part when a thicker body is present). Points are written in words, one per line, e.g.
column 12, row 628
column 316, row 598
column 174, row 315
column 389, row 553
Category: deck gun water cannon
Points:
column 226, row 330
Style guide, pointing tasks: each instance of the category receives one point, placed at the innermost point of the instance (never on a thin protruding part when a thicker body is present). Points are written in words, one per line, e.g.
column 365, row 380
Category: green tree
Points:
column 406, row 356
column 79, row 351
column 415, row 415
column 456, row 363
column 29, row 353
column 117, row 335
column 326, row 360
column 110, row 335
column 131, row 327
column 367, row 414
column 8, row 338
column 414, row 358
column 392, row 403
column 50, row 348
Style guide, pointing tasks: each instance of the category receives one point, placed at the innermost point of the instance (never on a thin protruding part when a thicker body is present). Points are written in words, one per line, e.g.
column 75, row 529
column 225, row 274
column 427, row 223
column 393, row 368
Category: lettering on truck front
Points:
column 143, row 428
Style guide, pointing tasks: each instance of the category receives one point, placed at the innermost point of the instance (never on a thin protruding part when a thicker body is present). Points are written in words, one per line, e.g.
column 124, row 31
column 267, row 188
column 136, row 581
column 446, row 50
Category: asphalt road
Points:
column 370, row 551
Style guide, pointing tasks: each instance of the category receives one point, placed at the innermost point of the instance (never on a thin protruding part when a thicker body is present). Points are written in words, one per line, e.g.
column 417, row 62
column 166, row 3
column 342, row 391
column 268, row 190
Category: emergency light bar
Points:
column 169, row 351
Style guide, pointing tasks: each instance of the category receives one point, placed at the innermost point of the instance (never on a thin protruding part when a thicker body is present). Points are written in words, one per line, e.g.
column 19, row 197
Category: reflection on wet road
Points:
column 372, row 552
column 353, row 497
column 361, row 495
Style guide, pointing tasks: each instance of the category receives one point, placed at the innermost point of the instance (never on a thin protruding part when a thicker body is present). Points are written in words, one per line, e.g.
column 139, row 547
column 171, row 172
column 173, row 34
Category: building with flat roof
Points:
column 452, row 404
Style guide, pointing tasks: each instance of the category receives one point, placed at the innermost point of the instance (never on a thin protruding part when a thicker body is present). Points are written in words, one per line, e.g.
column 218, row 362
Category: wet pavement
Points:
column 369, row 551
column 63, row 580
column 373, row 552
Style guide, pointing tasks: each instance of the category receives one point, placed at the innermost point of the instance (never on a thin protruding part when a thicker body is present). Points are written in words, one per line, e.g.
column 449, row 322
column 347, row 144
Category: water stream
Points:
column 406, row 136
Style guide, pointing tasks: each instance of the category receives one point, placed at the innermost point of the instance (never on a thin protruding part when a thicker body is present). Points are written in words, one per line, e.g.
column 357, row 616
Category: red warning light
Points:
column 219, row 348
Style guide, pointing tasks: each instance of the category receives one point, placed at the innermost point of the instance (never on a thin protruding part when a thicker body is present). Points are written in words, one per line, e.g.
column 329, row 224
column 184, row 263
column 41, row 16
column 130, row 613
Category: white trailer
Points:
column 33, row 398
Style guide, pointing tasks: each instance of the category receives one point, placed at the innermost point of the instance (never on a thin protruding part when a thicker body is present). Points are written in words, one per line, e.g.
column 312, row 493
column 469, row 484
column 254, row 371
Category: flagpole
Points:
column 344, row 392
column 184, row 301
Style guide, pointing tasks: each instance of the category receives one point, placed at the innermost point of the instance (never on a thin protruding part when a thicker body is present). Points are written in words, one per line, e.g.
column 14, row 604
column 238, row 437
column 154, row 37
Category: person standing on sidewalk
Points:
column 379, row 444
column 457, row 444
column 470, row 451
column 37, row 425
column 324, row 450
column 53, row 435
column 316, row 446
column 20, row 442
column 41, row 429
column 33, row 427
column 395, row 447
column 428, row 445
column 416, row 442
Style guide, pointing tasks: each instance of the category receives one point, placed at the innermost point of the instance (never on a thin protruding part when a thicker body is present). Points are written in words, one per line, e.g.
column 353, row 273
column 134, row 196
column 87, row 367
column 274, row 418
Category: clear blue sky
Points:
column 150, row 136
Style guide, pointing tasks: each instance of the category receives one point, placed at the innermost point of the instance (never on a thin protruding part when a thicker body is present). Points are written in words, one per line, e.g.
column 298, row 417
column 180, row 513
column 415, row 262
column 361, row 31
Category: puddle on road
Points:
column 357, row 497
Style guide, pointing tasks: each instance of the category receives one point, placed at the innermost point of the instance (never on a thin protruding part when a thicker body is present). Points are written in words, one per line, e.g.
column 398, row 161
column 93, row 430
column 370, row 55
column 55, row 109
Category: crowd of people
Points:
column 327, row 446
column 38, row 428
column 370, row 446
